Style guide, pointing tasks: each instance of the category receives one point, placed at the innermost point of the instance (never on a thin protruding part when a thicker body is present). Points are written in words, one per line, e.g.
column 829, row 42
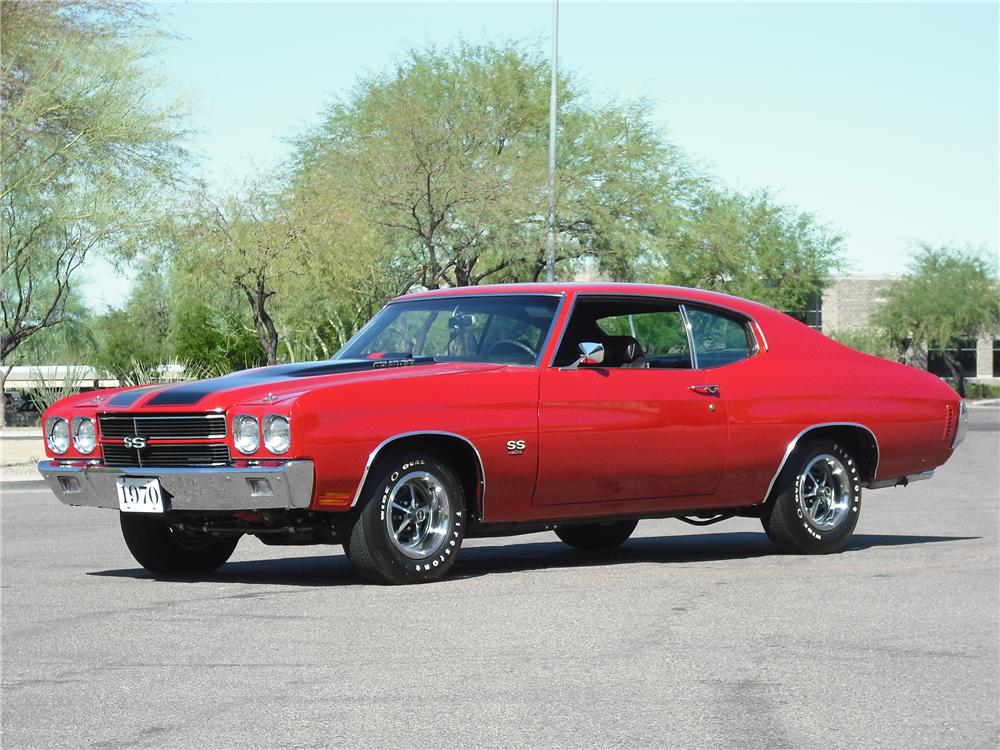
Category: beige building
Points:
column 849, row 302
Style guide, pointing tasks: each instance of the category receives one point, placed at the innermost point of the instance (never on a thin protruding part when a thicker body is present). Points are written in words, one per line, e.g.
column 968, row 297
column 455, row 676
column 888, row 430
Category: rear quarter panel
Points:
column 806, row 379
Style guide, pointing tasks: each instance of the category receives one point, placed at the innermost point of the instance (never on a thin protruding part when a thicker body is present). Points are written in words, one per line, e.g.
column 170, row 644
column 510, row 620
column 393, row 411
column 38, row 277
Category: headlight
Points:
column 246, row 433
column 57, row 434
column 84, row 435
column 277, row 435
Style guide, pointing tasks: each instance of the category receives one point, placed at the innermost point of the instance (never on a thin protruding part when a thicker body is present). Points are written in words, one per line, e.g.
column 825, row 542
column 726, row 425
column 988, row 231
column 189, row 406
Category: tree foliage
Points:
column 431, row 174
column 751, row 246
column 85, row 150
column 445, row 158
column 949, row 295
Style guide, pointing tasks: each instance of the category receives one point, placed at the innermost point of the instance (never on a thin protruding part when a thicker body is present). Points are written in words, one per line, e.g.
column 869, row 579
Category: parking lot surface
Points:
column 682, row 637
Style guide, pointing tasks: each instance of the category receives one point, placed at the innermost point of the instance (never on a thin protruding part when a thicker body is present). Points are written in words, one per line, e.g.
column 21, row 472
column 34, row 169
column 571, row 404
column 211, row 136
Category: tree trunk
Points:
column 267, row 334
column 956, row 372
column 4, row 372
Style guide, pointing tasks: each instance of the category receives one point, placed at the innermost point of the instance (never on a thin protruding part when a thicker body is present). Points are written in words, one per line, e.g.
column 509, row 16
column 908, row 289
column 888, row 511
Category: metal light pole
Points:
column 550, row 262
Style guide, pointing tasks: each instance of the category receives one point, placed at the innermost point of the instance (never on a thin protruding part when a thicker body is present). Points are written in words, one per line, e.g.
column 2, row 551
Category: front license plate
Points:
column 137, row 495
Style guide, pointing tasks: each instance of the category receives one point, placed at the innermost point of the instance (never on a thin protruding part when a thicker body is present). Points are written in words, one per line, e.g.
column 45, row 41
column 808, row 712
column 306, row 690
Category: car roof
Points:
column 752, row 309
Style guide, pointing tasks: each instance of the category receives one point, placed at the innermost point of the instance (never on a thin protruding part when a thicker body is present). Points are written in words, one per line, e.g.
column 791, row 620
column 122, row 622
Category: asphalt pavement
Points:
column 683, row 637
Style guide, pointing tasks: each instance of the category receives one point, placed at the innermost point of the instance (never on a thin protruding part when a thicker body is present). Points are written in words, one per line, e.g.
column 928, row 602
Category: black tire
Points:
column 424, row 547
column 788, row 515
column 165, row 551
column 596, row 536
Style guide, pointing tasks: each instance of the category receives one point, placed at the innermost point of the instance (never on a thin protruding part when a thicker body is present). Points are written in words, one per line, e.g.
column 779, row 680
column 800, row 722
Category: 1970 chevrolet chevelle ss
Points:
column 456, row 413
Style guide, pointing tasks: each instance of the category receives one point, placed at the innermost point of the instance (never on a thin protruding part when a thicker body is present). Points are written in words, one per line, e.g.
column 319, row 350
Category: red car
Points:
column 456, row 413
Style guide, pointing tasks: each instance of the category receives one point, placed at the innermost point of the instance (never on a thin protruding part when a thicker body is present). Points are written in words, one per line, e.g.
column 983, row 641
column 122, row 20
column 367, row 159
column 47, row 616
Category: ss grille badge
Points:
column 135, row 442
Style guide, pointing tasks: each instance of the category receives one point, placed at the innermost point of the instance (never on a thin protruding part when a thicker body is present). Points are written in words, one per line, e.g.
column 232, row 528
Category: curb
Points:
column 7, row 485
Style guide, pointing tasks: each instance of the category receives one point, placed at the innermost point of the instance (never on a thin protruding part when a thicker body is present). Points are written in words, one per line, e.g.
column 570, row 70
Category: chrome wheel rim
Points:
column 825, row 492
column 417, row 514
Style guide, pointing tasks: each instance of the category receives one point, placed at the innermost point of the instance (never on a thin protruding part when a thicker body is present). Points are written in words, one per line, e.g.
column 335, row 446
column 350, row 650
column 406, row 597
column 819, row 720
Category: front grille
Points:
column 163, row 426
column 201, row 434
column 202, row 454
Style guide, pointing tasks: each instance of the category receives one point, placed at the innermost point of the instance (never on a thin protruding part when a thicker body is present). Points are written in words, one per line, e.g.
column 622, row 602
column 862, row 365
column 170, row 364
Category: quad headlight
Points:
column 84, row 435
column 246, row 433
column 277, row 433
column 57, row 434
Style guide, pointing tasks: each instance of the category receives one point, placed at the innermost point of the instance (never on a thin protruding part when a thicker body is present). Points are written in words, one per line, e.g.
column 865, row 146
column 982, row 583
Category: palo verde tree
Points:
column 446, row 157
column 84, row 147
column 750, row 246
column 249, row 242
column 949, row 295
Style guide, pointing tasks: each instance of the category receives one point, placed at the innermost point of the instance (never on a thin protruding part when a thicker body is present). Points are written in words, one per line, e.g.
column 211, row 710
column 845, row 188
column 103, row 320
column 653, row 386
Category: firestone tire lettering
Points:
column 373, row 554
column 788, row 527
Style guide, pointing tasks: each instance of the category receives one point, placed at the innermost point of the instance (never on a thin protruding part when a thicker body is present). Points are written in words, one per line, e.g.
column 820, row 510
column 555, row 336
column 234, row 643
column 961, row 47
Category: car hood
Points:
column 277, row 383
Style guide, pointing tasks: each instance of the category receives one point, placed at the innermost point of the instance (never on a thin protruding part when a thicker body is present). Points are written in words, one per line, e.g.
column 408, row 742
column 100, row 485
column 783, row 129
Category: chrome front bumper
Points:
column 189, row 488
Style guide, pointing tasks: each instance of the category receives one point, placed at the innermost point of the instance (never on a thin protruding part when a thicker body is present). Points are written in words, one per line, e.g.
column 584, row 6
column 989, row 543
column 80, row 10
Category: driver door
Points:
column 618, row 432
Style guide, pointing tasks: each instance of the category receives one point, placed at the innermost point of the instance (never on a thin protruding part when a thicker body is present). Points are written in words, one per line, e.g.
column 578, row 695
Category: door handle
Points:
column 706, row 390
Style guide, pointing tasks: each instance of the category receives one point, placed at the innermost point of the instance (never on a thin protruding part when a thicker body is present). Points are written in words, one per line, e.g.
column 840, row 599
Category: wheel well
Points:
column 458, row 453
column 855, row 439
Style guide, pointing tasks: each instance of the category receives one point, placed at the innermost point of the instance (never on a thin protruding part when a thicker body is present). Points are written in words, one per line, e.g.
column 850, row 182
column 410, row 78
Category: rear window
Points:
column 719, row 339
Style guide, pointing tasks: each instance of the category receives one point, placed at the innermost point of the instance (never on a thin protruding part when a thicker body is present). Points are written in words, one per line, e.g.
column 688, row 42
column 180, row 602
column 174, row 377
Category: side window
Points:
column 636, row 332
column 660, row 335
column 718, row 339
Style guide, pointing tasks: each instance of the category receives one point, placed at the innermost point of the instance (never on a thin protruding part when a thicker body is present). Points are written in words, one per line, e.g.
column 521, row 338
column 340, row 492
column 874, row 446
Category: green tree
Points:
column 133, row 341
column 213, row 337
column 950, row 294
column 445, row 159
column 85, row 149
column 869, row 339
column 247, row 241
column 750, row 246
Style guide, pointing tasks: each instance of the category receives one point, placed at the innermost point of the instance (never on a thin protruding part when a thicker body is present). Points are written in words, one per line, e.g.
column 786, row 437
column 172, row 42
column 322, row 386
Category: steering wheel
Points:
column 517, row 344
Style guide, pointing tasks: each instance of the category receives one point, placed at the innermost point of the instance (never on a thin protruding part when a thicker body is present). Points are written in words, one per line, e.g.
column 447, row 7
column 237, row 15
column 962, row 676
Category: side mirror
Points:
column 591, row 354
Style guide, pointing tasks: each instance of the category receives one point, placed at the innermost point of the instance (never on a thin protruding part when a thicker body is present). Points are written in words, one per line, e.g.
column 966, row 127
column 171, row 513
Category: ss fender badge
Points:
column 515, row 447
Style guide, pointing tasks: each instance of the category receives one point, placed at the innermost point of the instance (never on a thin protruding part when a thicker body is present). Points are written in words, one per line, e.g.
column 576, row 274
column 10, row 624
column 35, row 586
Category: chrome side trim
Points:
column 552, row 331
column 417, row 433
column 760, row 330
column 189, row 488
column 680, row 302
column 795, row 440
column 689, row 331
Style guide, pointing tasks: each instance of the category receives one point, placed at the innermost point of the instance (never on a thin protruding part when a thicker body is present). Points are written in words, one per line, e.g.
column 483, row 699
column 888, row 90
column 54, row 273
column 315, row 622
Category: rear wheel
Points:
column 816, row 502
column 413, row 521
column 595, row 536
column 165, row 550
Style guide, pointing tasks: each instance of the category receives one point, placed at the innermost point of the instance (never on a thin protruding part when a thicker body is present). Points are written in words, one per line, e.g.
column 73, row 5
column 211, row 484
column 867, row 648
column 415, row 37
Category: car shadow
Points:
column 675, row 549
column 475, row 561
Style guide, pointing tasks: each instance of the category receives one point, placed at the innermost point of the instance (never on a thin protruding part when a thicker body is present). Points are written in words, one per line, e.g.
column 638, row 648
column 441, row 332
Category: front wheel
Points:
column 165, row 550
column 596, row 536
column 413, row 521
column 816, row 502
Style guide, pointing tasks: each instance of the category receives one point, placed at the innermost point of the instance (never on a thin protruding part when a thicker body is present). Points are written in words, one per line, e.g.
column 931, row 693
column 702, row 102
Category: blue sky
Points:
column 880, row 118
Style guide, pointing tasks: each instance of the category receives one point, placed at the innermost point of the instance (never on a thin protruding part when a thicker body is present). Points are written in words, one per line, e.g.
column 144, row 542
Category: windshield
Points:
column 503, row 329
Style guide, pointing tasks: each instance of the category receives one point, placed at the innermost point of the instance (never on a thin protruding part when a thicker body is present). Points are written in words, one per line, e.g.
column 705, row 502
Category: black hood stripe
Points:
column 128, row 398
column 188, row 394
